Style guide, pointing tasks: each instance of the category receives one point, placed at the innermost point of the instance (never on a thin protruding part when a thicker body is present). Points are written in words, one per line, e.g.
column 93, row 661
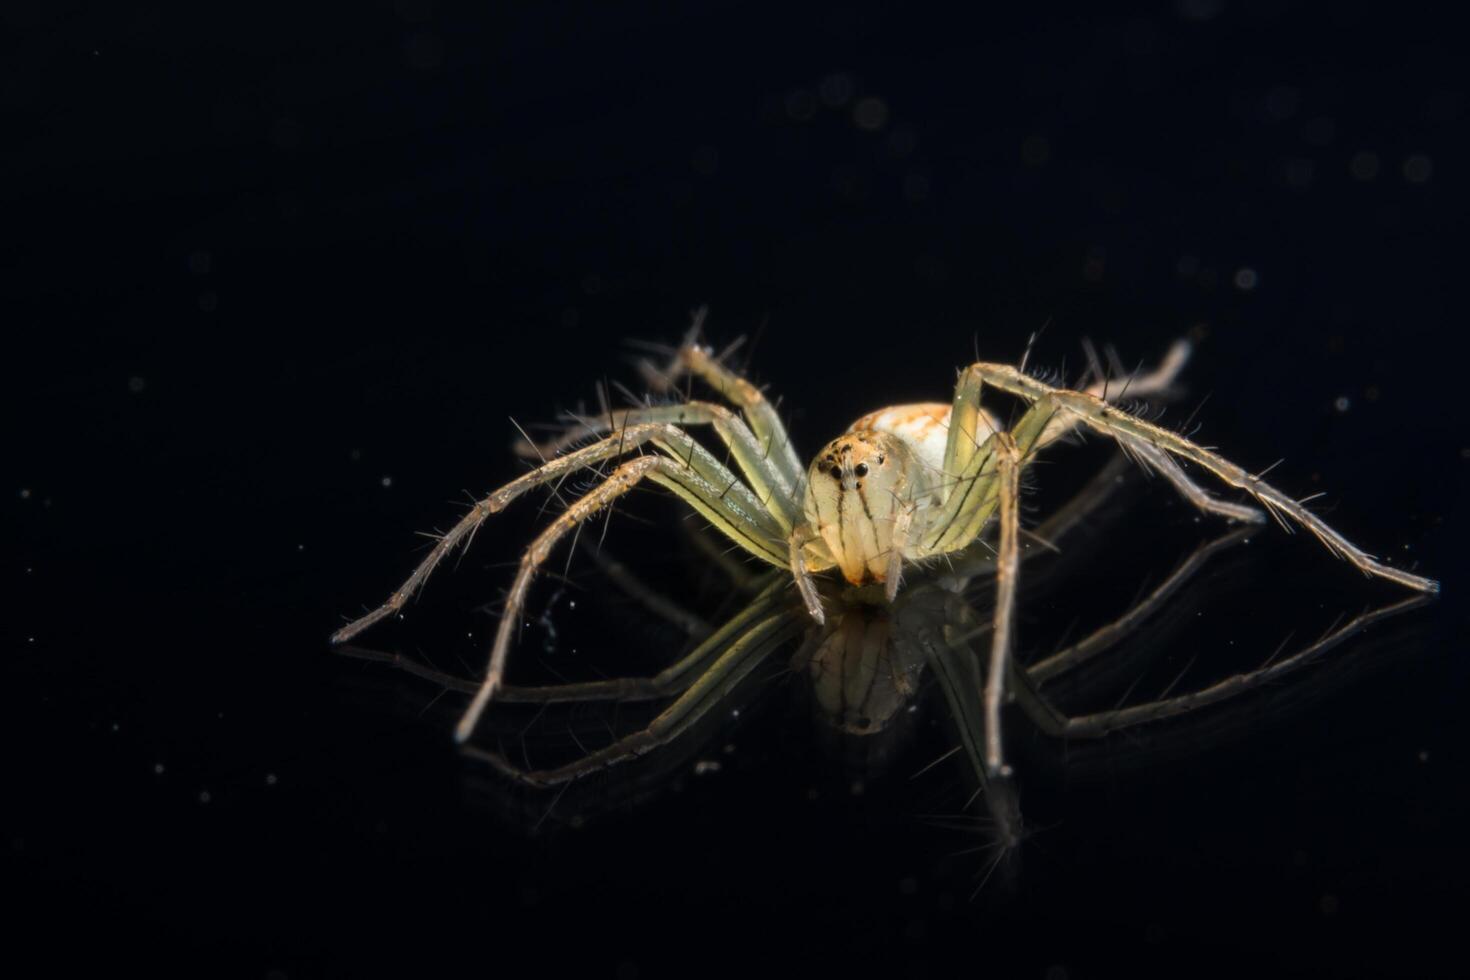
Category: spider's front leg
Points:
column 692, row 358
column 737, row 503
column 766, row 476
column 709, row 500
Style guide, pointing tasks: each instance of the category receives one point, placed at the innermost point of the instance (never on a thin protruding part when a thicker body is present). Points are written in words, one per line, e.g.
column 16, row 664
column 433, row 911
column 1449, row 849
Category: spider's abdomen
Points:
column 924, row 427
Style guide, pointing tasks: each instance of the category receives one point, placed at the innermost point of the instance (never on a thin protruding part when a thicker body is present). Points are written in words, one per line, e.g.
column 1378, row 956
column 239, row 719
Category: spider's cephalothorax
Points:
column 906, row 484
column 856, row 490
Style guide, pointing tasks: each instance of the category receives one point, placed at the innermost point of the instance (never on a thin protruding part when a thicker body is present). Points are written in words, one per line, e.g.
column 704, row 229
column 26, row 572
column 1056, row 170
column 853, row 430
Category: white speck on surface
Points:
column 270, row 779
column 136, row 384
column 706, row 766
column 204, row 796
column 1246, row 279
column 1342, row 403
column 386, row 481
column 158, row 769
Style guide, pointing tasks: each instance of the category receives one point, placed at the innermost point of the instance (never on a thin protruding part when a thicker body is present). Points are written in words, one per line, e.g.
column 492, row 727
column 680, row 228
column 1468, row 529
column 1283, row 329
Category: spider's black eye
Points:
column 861, row 469
column 836, row 472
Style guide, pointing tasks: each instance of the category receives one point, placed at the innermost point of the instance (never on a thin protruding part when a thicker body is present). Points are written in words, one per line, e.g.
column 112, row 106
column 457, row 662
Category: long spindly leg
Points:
column 1098, row 724
column 971, row 426
column 770, row 482
column 668, row 682
column 1162, row 463
column 711, row 501
column 1137, row 385
column 692, row 358
column 1096, row 414
column 957, row 669
column 979, row 558
column 1107, row 636
column 1007, row 568
column 741, row 655
column 746, row 512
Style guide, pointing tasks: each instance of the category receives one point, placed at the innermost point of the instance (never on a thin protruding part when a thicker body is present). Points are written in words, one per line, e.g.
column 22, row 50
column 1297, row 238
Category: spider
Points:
column 904, row 485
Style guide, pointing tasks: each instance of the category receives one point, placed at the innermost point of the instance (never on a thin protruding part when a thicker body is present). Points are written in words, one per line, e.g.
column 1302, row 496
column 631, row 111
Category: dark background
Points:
column 275, row 279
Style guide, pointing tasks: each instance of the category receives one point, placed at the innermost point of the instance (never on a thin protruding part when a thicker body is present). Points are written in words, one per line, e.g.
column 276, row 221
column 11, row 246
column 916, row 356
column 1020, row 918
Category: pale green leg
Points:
column 763, row 475
column 747, row 651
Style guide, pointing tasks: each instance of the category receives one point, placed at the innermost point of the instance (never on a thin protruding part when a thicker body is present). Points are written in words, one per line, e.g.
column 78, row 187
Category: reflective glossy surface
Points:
column 275, row 286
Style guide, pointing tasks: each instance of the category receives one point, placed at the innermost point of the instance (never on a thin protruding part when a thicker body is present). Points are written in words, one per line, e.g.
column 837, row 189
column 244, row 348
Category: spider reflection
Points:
column 868, row 663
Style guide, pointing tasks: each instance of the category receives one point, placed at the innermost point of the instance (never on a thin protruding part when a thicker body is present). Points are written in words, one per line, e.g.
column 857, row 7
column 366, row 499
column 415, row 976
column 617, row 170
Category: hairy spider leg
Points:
column 1153, row 458
column 739, row 657
column 957, row 669
column 710, row 500
column 668, row 682
column 1128, row 430
column 994, row 464
column 761, row 472
column 1007, row 566
column 691, row 358
column 1054, row 722
column 739, row 513
column 1106, row 637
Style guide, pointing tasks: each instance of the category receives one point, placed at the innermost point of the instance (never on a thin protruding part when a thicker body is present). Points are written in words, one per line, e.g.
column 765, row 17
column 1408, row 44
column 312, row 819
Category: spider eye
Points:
column 861, row 469
column 836, row 472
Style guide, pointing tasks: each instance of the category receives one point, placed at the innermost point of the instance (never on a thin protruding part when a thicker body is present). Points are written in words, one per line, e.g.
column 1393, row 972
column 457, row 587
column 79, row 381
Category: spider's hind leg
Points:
column 1093, row 412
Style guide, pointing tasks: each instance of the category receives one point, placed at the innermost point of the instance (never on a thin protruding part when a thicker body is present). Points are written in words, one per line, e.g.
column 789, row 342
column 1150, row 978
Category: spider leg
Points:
column 1007, row 567
column 668, row 682
column 1096, row 414
column 801, row 571
column 971, row 492
column 902, row 527
column 717, row 553
column 741, row 654
column 1106, row 637
column 1054, row 722
column 710, row 500
column 763, row 474
column 764, row 422
column 956, row 667
column 1161, row 462
column 652, row 600
column 744, row 518
column 979, row 558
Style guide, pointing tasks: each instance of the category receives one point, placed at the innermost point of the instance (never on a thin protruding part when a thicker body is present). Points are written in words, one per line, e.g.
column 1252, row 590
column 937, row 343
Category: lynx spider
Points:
column 903, row 485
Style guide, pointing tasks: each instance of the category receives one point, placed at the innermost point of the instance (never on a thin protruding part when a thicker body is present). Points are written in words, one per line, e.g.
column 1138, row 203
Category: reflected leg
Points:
column 1105, row 637
column 739, row 657
column 1101, row 723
